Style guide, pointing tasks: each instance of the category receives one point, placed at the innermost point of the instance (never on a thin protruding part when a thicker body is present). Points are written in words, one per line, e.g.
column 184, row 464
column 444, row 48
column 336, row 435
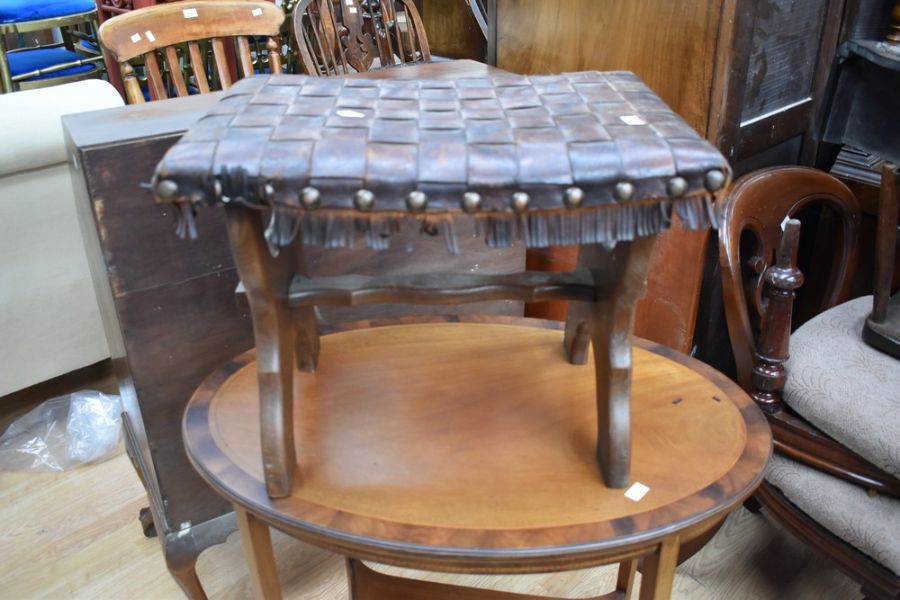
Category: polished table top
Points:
column 470, row 446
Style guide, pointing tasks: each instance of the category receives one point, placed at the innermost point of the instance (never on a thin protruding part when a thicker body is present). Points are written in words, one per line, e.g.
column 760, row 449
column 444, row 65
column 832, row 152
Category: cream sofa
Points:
column 49, row 320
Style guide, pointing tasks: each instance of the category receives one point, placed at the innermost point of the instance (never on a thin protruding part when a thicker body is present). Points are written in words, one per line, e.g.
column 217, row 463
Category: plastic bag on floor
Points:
column 63, row 433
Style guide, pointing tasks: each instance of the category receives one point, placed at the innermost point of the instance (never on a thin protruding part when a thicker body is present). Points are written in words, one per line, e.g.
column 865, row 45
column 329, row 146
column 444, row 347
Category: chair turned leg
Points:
column 620, row 277
column 257, row 544
column 658, row 571
column 267, row 280
column 626, row 578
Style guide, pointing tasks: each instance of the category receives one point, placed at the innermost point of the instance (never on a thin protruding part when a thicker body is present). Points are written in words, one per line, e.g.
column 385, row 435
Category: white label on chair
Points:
column 637, row 491
column 135, row 38
column 401, row 17
column 633, row 120
column 352, row 10
column 350, row 114
column 149, row 35
column 256, row 12
column 190, row 13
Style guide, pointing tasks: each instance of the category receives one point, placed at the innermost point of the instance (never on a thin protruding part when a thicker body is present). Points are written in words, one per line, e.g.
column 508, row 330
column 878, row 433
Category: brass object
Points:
column 520, row 201
column 574, row 197
column 309, row 197
column 416, row 201
column 167, row 189
column 471, row 202
column 676, row 187
column 714, row 180
column 624, row 191
column 364, row 200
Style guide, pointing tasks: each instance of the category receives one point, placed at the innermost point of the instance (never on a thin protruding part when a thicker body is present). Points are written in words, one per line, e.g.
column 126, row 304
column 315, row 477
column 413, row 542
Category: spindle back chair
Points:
column 171, row 39
column 339, row 38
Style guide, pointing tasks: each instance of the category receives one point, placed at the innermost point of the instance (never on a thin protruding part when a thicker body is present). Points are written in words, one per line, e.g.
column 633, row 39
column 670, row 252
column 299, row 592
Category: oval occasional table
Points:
column 469, row 447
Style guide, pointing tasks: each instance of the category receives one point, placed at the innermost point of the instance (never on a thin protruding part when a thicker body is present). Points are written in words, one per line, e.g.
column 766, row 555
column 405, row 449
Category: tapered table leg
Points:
column 258, row 554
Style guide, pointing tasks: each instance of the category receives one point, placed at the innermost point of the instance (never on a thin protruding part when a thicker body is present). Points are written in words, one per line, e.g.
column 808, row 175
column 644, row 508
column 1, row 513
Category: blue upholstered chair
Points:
column 75, row 58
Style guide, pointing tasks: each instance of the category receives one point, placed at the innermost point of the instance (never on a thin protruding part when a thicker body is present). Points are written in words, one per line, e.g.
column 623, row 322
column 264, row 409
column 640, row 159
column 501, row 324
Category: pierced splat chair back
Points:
column 750, row 232
column 193, row 47
column 349, row 36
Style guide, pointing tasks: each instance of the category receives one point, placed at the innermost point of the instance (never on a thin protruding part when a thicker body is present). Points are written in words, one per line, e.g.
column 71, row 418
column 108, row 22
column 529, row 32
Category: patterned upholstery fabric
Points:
column 846, row 388
column 870, row 524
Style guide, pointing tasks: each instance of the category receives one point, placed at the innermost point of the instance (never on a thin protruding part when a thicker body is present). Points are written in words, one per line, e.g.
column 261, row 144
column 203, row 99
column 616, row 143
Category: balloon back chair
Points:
column 834, row 403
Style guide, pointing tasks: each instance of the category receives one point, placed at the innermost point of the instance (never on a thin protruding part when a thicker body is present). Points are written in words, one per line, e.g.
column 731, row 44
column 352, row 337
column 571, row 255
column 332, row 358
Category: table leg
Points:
column 658, row 572
column 625, row 578
column 258, row 555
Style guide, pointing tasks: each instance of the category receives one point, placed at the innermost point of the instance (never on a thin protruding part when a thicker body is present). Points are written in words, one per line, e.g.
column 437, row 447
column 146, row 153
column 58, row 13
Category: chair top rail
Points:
column 141, row 31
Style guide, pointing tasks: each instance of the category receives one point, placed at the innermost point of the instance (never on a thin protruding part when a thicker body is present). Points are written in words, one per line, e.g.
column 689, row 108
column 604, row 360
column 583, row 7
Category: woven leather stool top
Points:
column 544, row 160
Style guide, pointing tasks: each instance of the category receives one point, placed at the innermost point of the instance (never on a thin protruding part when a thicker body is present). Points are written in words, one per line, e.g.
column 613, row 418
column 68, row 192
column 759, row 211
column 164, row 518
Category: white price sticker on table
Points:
column 637, row 491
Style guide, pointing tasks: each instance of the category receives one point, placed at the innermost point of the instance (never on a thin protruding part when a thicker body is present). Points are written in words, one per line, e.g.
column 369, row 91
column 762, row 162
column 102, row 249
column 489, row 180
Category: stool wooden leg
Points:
column 306, row 342
column 620, row 277
column 258, row 555
column 625, row 578
column 658, row 572
column 267, row 280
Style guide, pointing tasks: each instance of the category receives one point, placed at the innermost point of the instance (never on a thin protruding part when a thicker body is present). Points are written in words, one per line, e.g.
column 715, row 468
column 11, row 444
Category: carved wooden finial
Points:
column 273, row 46
column 772, row 348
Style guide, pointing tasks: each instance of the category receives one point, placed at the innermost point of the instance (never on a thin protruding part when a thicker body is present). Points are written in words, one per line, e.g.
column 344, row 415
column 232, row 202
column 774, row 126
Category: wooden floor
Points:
column 76, row 535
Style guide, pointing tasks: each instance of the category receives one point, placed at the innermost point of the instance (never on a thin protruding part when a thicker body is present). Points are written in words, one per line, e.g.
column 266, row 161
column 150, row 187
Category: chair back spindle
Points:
column 338, row 38
column 168, row 38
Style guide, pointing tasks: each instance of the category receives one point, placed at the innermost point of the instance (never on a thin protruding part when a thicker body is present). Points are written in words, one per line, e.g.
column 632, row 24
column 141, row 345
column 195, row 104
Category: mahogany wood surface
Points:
column 367, row 584
column 756, row 206
column 672, row 47
column 469, row 447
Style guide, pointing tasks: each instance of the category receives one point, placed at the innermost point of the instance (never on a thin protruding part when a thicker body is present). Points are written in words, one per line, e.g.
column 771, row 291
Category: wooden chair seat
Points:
column 470, row 447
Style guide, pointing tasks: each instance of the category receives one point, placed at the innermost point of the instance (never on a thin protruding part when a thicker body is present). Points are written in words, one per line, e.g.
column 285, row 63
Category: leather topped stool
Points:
column 592, row 159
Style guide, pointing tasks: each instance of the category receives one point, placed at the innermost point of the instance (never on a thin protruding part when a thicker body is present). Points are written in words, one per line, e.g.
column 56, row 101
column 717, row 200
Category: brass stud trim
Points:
column 416, row 201
column 714, row 180
column 520, row 201
column 471, row 202
column 623, row 191
column 167, row 189
column 310, row 198
column 574, row 197
column 677, row 187
column 364, row 200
